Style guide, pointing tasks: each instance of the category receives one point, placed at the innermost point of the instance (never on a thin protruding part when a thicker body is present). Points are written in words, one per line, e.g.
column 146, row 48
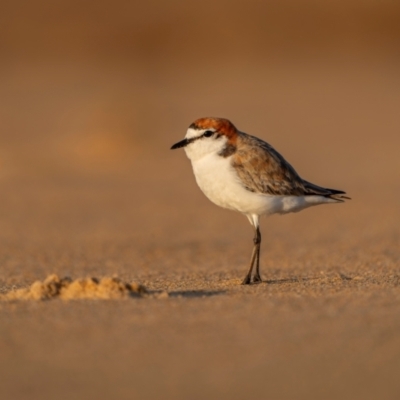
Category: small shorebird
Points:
column 243, row 173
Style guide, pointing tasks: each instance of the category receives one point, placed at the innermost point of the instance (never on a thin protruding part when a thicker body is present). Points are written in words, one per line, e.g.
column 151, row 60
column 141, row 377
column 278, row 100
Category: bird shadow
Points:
column 287, row 280
column 196, row 293
column 191, row 294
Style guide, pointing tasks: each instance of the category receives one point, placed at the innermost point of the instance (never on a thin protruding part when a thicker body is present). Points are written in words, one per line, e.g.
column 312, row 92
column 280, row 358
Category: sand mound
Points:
column 68, row 289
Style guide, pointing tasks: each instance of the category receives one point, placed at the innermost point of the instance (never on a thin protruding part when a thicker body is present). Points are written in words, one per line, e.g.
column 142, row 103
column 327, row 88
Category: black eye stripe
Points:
column 191, row 140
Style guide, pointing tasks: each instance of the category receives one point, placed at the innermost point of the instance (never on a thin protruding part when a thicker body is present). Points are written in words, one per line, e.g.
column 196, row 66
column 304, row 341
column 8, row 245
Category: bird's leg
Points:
column 254, row 258
column 247, row 279
column 257, row 242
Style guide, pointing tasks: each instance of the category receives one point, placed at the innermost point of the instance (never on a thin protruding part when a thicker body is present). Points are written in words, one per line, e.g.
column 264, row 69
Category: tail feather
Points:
column 338, row 197
column 333, row 194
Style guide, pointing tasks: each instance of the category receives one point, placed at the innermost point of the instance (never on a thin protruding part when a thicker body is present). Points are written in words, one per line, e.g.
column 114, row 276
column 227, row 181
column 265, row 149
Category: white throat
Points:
column 203, row 146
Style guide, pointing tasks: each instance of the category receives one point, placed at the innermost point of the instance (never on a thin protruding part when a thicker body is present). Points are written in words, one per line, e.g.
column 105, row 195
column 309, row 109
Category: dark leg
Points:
column 247, row 279
column 257, row 276
column 255, row 258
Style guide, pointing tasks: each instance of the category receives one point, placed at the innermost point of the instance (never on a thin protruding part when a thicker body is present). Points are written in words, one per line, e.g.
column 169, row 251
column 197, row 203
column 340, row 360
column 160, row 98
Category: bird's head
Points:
column 208, row 136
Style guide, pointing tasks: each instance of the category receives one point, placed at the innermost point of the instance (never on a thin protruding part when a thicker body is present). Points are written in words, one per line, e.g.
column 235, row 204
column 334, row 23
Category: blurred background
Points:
column 92, row 96
column 88, row 88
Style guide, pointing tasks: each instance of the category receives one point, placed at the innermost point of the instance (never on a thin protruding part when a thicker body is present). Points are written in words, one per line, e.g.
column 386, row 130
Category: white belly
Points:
column 220, row 183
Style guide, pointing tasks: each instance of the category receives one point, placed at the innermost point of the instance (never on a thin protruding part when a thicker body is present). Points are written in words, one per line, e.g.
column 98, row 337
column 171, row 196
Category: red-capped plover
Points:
column 240, row 172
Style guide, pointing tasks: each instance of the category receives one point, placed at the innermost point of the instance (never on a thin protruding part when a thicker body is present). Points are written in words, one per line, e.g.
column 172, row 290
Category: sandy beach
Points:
column 89, row 188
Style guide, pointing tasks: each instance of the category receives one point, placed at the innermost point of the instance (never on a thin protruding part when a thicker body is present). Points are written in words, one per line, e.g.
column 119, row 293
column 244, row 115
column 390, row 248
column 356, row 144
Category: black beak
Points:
column 180, row 144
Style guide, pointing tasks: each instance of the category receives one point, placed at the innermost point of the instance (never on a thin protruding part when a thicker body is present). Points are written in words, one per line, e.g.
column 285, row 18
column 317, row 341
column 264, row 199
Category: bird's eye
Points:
column 208, row 133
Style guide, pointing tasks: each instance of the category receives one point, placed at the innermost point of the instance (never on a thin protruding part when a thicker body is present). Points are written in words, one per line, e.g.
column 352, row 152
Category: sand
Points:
column 324, row 324
column 92, row 96
column 71, row 289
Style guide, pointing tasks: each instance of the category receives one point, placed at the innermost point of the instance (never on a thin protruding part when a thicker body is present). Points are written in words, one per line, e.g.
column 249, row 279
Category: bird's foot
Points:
column 249, row 281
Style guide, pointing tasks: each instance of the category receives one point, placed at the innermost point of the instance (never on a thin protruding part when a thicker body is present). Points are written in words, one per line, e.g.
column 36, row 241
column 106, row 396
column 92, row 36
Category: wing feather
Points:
column 262, row 169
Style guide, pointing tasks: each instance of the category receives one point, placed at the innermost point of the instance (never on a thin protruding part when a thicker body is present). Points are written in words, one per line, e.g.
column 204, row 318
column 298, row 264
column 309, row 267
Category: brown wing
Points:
column 263, row 170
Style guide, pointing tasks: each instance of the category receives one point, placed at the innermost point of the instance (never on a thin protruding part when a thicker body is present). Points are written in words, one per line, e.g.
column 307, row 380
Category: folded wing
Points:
column 261, row 169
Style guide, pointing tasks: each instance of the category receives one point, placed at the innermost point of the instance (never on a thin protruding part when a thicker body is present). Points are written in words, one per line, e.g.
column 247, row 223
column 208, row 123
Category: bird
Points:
column 243, row 173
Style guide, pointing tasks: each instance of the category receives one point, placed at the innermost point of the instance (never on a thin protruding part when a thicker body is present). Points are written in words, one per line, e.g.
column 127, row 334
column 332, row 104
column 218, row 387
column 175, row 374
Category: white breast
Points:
column 219, row 182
